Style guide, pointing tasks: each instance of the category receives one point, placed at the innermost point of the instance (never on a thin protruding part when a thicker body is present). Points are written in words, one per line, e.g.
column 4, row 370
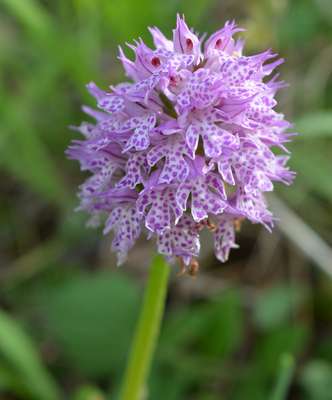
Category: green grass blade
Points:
column 21, row 355
column 25, row 156
column 315, row 125
column 31, row 15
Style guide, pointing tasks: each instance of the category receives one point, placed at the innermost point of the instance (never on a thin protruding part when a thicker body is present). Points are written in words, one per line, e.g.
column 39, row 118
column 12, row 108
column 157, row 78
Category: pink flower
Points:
column 186, row 145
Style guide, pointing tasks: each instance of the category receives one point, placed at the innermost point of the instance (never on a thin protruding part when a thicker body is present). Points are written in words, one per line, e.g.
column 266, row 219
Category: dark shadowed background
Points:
column 67, row 313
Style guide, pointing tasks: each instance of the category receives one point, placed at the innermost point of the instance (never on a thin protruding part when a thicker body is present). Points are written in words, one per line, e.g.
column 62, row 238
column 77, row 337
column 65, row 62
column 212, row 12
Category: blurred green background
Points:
column 67, row 313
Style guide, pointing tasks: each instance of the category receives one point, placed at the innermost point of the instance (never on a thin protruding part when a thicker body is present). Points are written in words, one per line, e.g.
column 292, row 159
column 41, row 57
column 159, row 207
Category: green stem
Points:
column 147, row 331
column 284, row 379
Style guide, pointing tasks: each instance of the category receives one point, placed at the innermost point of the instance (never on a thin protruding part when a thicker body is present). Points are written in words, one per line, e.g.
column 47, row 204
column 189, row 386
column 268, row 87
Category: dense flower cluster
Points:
column 186, row 145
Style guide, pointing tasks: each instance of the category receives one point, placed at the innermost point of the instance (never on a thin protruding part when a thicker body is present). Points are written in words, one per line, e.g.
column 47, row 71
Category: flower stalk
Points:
column 147, row 332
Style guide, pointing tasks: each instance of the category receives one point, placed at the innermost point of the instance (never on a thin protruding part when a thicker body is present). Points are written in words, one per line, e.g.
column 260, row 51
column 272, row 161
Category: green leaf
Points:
column 276, row 304
column 214, row 328
column 92, row 318
column 34, row 165
column 290, row 339
column 252, row 386
column 194, row 10
column 31, row 14
column 313, row 167
column 315, row 125
column 115, row 11
column 188, row 323
column 34, row 168
column 223, row 329
column 325, row 9
column 7, row 378
column 168, row 384
column 19, row 352
column 204, row 334
column 316, row 380
column 299, row 24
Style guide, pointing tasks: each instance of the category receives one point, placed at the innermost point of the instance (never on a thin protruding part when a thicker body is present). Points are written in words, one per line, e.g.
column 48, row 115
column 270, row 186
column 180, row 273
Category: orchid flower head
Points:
column 186, row 144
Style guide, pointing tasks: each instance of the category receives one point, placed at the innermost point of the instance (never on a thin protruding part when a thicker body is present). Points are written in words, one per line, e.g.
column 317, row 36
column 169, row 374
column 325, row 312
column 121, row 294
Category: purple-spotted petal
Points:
column 224, row 238
column 204, row 200
column 142, row 127
column 174, row 151
column 181, row 240
column 126, row 224
column 136, row 171
column 159, row 207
